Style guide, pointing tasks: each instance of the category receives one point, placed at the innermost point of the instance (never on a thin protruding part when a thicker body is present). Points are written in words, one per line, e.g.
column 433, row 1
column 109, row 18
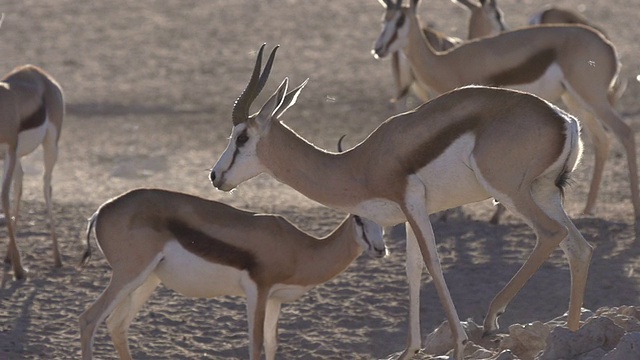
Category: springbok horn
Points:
column 241, row 107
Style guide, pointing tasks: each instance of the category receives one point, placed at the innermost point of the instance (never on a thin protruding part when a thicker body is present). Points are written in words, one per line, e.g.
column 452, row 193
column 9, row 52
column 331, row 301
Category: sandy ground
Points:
column 149, row 88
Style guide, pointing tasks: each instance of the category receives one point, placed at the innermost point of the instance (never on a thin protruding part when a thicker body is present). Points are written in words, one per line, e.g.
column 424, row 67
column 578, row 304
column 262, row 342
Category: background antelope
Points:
column 438, row 156
column 574, row 63
column 202, row 248
column 487, row 19
column 403, row 76
column 31, row 113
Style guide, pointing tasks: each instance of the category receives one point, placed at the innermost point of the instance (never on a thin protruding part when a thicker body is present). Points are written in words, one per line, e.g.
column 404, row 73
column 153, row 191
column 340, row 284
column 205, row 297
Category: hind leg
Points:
column 549, row 231
column 578, row 252
column 13, row 253
column 601, row 143
column 50, row 152
column 120, row 319
column 123, row 282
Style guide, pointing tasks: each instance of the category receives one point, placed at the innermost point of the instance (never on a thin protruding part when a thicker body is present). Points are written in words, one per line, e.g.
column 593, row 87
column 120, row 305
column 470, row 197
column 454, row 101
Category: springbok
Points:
column 487, row 19
column 441, row 155
column 31, row 113
column 205, row 249
column 571, row 62
column 403, row 76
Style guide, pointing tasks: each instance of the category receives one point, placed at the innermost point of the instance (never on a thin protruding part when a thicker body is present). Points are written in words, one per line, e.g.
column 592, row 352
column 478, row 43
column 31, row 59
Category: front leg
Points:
column 414, row 265
column 256, row 309
column 418, row 218
column 271, row 328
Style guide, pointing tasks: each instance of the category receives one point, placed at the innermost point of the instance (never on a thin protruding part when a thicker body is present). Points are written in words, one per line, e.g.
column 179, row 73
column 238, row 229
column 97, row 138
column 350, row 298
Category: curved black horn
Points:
column 256, row 83
column 340, row 143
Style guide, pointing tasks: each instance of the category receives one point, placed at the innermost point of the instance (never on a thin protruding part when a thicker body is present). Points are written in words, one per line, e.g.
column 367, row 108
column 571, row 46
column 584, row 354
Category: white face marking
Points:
column 394, row 36
column 239, row 161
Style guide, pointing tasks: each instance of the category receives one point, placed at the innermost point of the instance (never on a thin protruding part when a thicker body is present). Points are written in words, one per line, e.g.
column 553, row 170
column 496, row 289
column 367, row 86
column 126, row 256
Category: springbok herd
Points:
column 487, row 129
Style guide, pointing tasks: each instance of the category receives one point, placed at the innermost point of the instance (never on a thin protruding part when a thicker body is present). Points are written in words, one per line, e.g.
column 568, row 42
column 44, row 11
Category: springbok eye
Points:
column 242, row 139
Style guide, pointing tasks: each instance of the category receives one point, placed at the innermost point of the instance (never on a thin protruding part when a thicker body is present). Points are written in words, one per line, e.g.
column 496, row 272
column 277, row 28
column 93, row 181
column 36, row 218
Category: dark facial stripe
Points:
column 34, row 120
column 436, row 145
column 235, row 154
column 210, row 248
column 528, row 71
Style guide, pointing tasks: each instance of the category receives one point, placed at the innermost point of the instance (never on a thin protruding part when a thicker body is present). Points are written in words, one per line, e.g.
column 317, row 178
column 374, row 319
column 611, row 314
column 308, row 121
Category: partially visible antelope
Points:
column 31, row 112
column 487, row 19
column 202, row 248
column 403, row 76
column 465, row 146
column 570, row 62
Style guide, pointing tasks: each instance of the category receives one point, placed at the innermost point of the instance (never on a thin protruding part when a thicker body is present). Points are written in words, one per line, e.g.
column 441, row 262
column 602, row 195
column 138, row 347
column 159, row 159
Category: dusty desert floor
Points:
column 149, row 88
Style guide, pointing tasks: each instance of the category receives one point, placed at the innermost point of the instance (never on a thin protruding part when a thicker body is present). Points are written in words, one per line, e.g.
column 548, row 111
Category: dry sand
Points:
column 149, row 87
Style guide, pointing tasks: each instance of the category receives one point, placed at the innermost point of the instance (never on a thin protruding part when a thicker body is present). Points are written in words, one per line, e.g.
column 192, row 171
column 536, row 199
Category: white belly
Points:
column 193, row 276
column 28, row 140
column 548, row 87
column 450, row 180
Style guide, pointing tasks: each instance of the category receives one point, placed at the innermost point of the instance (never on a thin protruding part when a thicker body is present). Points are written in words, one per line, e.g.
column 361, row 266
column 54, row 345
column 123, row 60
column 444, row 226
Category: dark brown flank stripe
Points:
column 34, row 120
column 530, row 70
column 436, row 145
column 210, row 248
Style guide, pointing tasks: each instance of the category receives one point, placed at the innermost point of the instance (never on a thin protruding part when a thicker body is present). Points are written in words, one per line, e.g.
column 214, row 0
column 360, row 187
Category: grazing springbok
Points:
column 571, row 62
column 202, row 248
column 31, row 112
column 467, row 145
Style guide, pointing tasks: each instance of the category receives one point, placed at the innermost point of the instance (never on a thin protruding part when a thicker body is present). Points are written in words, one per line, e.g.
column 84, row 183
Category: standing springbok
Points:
column 205, row 249
column 574, row 63
column 31, row 112
column 464, row 146
column 487, row 19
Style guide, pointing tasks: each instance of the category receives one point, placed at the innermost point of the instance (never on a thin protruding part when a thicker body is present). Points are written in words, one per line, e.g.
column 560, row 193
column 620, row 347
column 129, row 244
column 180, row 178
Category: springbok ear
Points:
column 289, row 100
column 264, row 116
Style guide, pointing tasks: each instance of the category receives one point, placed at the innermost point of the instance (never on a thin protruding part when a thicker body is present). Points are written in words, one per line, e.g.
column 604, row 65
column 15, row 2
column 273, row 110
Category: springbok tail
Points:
column 86, row 256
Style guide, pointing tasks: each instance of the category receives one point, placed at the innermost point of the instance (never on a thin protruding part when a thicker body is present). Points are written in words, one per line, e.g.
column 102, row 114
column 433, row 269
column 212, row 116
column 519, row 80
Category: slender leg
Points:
column 13, row 253
column 122, row 284
column 601, row 143
column 577, row 250
column 271, row 329
column 550, row 232
column 120, row 319
column 50, row 152
column 495, row 219
column 18, row 177
column 256, row 309
column 414, row 265
column 418, row 217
